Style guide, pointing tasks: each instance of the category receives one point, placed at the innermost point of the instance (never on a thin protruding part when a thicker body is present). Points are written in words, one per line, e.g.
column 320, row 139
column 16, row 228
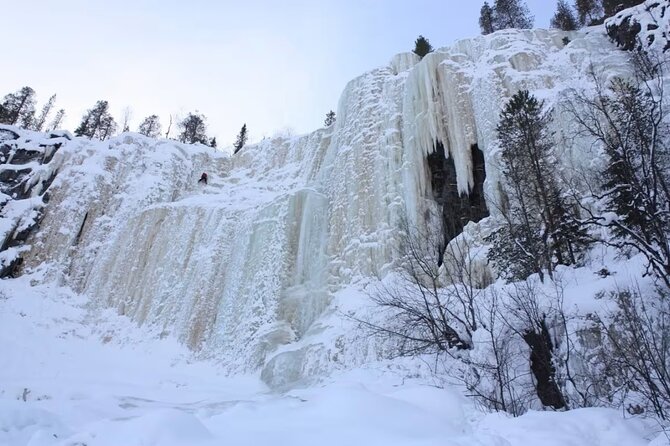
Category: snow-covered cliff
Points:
column 249, row 268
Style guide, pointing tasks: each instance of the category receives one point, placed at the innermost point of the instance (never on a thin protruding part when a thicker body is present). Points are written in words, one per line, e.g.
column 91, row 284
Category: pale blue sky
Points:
column 271, row 64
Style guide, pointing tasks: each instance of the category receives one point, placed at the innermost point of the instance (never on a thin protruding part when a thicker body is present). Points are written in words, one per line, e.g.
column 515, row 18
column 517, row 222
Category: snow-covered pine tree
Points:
column 125, row 119
column 422, row 47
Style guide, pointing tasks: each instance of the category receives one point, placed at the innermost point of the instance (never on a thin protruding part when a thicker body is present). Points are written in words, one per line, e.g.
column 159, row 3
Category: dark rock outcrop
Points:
column 457, row 209
column 542, row 366
column 20, row 158
column 641, row 27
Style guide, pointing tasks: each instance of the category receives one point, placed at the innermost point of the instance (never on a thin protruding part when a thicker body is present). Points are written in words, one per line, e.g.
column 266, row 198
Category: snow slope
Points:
column 71, row 376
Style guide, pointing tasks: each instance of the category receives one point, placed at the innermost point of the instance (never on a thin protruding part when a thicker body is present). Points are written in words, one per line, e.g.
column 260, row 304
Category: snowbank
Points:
column 61, row 386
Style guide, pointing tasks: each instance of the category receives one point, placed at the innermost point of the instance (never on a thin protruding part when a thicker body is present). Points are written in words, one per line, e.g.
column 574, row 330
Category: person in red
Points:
column 203, row 178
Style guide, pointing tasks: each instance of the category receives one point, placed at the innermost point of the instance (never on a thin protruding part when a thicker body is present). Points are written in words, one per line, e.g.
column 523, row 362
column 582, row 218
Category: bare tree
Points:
column 57, row 120
column 528, row 319
column 494, row 378
column 420, row 314
column 46, row 109
column 125, row 119
column 629, row 118
column 167, row 133
column 637, row 349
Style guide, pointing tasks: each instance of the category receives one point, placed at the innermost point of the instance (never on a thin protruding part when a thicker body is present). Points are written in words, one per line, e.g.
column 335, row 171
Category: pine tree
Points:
column 588, row 11
column 486, row 19
column 193, row 129
column 241, row 139
column 564, row 18
column 612, row 7
column 422, row 47
column 212, row 142
column 97, row 122
column 511, row 14
column 57, row 120
column 46, row 109
column 19, row 108
column 330, row 119
column 150, row 127
column 540, row 229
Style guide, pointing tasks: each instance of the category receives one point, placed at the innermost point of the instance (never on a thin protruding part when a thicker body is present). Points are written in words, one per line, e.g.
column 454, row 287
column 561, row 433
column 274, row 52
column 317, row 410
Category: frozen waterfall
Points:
column 246, row 268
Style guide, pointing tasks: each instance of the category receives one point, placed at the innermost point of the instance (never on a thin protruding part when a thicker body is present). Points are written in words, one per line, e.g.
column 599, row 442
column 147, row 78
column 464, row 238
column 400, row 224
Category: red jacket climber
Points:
column 203, row 178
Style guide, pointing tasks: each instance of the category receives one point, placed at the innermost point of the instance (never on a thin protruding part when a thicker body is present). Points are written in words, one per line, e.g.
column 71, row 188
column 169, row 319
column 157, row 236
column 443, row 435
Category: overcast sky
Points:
column 274, row 64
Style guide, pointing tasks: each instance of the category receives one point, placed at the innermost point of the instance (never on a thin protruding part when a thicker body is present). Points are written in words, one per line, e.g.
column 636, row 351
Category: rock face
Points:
column 26, row 173
column 247, row 268
column 644, row 26
column 457, row 209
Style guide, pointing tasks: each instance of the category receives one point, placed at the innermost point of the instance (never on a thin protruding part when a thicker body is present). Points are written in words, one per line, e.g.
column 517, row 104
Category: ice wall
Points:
column 246, row 268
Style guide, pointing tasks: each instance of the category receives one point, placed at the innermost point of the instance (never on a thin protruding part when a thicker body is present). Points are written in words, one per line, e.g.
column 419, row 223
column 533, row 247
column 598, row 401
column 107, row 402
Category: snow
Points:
column 72, row 376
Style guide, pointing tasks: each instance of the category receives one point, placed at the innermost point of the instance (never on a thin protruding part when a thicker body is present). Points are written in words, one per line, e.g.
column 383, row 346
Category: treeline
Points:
column 515, row 14
column 98, row 123
column 19, row 109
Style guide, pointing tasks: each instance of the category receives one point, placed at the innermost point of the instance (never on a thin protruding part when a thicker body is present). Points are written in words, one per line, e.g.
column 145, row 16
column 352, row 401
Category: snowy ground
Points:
column 69, row 377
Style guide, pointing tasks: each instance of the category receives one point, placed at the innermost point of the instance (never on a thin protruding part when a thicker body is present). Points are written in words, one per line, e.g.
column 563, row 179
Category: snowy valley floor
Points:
column 69, row 378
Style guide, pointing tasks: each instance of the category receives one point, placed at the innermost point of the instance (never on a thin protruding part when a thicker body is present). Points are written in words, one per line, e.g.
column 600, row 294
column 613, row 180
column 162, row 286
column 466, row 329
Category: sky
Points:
column 277, row 65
